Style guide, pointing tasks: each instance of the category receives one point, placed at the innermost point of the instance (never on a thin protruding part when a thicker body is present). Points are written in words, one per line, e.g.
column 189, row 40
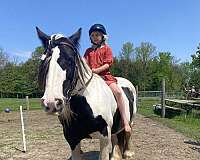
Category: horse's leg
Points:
column 116, row 152
column 128, row 153
column 105, row 146
column 76, row 153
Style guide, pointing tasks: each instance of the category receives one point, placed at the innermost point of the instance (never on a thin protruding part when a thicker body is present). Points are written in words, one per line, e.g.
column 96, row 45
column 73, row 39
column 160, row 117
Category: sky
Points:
column 170, row 25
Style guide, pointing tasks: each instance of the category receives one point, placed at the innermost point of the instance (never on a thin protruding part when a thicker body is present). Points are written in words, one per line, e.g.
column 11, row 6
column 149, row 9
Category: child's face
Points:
column 96, row 37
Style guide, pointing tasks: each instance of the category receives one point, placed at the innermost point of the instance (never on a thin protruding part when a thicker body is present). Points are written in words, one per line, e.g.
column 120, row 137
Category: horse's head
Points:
column 57, row 71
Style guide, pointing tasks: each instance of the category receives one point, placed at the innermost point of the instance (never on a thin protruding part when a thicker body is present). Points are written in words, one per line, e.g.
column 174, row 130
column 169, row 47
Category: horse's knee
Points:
column 128, row 153
column 105, row 148
column 116, row 155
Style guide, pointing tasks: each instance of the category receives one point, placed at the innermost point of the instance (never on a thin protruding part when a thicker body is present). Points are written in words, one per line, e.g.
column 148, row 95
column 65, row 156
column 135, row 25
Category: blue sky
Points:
column 170, row 25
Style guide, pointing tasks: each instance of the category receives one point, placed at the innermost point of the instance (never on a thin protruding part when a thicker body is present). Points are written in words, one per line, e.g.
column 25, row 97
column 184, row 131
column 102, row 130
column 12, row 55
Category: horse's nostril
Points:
column 46, row 108
column 58, row 101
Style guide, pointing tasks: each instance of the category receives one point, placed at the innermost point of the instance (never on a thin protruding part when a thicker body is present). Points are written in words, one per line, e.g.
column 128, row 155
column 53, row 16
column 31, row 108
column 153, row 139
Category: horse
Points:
column 85, row 105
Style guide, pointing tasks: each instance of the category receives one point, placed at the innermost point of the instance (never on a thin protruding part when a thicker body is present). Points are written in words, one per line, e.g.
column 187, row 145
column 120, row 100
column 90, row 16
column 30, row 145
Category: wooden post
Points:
column 27, row 103
column 136, row 95
column 163, row 98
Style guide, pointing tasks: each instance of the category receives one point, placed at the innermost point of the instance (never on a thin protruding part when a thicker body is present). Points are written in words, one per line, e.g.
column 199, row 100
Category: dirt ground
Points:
column 45, row 141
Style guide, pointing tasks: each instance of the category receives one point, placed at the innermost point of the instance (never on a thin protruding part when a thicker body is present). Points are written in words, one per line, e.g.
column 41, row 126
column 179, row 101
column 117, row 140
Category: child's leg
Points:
column 120, row 103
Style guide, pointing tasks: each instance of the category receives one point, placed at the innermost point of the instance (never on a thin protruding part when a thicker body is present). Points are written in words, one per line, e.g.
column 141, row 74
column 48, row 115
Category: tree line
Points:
column 143, row 65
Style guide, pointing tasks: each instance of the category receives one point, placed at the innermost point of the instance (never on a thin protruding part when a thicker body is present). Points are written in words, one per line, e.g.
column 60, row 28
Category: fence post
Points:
column 136, row 94
column 27, row 103
column 163, row 98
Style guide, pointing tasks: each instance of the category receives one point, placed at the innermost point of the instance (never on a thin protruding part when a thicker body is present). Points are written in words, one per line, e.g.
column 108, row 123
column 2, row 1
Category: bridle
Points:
column 67, row 91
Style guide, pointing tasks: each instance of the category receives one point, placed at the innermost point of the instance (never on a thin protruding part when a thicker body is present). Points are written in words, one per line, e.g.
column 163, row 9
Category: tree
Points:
column 37, row 53
column 3, row 58
column 144, row 55
column 127, row 51
column 196, row 58
column 30, row 70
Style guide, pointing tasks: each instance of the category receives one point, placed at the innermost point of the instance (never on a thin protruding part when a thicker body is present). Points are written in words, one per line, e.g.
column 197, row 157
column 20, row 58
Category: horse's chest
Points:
column 82, row 123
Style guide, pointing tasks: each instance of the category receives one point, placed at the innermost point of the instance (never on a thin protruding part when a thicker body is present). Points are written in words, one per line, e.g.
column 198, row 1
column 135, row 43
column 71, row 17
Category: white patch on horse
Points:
column 100, row 97
column 57, row 36
column 43, row 57
column 54, row 79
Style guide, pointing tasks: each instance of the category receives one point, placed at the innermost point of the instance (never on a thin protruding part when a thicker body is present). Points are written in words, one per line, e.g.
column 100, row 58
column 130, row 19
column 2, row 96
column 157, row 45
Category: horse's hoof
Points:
column 128, row 154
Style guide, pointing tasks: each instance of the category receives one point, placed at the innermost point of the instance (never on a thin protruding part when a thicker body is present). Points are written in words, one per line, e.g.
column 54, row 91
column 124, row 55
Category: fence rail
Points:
column 169, row 94
column 19, row 95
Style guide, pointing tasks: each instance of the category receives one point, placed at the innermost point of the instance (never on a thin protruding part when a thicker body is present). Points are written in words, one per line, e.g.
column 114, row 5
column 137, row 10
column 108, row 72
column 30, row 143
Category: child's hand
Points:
column 94, row 70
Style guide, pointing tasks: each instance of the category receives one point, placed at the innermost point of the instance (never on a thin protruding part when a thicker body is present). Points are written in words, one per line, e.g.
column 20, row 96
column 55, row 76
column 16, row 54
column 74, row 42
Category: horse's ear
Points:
column 43, row 37
column 76, row 36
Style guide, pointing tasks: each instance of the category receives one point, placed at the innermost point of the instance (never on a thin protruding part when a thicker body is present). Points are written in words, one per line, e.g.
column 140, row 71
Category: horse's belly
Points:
column 96, row 135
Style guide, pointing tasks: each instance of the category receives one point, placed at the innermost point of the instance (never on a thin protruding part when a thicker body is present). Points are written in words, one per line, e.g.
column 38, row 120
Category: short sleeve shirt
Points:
column 98, row 57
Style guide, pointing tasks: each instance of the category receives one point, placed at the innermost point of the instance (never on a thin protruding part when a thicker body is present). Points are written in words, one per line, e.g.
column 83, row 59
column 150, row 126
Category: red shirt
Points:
column 97, row 58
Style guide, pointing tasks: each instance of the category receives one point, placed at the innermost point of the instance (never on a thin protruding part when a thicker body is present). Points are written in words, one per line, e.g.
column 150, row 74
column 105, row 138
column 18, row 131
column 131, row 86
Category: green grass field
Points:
column 14, row 103
column 188, row 125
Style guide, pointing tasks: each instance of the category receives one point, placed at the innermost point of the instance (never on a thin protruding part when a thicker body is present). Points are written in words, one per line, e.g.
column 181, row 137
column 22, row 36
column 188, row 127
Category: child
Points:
column 99, row 58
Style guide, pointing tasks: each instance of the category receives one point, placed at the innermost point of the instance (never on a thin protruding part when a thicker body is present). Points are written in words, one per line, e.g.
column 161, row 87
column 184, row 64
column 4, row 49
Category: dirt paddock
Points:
column 45, row 140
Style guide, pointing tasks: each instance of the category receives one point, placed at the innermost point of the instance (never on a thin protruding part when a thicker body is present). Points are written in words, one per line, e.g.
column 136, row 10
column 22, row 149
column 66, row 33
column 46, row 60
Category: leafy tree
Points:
column 144, row 55
column 3, row 58
column 127, row 51
column 196, row 58
column 30, row 70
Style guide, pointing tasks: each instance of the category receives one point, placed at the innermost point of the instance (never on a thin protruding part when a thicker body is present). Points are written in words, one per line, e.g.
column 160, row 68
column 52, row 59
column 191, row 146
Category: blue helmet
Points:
column 97, row 27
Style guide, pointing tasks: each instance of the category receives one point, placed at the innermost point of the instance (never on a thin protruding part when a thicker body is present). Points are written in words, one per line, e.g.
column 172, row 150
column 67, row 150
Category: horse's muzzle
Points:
column 52, row 106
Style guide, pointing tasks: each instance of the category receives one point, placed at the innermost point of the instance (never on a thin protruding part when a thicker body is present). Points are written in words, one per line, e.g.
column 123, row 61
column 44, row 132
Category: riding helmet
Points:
column 97, row 27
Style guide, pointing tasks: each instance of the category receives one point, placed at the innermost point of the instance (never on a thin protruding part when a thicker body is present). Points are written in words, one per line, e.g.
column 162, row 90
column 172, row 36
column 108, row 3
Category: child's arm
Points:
column 85, row 60
column 108, row 59
column 100, row 69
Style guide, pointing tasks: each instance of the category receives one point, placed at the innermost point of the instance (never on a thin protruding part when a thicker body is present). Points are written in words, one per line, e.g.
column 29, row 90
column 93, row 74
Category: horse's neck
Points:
column 84, row 73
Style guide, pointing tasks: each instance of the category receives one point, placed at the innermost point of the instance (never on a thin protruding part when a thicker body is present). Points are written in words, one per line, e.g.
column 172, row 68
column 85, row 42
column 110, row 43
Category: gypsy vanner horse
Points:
column 85, row 104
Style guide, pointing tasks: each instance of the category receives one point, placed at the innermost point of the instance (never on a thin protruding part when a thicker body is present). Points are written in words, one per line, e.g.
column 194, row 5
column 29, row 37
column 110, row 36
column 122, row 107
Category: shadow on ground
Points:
column 92, row 155
column 196, row 145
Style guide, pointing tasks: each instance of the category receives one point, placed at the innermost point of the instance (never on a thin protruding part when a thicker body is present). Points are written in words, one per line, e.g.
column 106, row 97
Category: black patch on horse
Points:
column 82, row 123
column 117, row 124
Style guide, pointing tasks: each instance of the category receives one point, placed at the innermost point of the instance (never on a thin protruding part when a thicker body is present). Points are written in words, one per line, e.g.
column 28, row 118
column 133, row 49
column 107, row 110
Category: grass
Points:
column 188, row 125
column 14, row 103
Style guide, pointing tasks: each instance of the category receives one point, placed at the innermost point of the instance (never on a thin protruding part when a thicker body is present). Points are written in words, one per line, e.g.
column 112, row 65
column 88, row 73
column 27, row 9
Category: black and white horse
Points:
column 84, row 102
